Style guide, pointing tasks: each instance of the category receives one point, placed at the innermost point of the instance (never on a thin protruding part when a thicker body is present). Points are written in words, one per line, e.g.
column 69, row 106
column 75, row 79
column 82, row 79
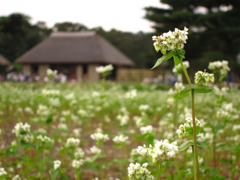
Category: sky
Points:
column 123, row 15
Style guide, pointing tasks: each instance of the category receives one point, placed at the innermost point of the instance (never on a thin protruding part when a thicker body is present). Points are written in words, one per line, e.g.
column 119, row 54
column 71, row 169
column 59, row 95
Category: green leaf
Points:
column 197, row 89
column 185, row 145
column 202, row 144
column 165, row 57
column 177, row 60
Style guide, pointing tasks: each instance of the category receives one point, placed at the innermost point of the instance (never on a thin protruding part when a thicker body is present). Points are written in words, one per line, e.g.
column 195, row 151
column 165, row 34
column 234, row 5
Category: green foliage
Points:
column 17, row 35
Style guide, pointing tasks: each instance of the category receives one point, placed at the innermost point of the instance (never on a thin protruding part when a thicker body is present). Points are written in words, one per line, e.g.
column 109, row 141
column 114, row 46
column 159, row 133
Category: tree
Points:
column 17, row 35
column 214, row 27
column 69, row 27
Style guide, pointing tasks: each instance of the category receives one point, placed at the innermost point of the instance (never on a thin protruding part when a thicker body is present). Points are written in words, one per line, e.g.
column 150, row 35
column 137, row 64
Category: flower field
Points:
column 111, row 131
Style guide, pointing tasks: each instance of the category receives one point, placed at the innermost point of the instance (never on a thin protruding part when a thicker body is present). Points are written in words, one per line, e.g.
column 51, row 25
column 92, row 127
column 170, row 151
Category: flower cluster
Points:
column 99, row 136
column 120, row 139
column 186, row 129
column 220, row 67
column 2, row 172
column 170, row 41
column 147, row 129
column 72, row 142
column 104, row 70
column 22, row 131
column 56, row 164
column 161, row 150
column 139, row 172
column 203, row 77
column 95, row 150
column 51, row 73
column 77, row 163
column 178, row 69
column 44, row 139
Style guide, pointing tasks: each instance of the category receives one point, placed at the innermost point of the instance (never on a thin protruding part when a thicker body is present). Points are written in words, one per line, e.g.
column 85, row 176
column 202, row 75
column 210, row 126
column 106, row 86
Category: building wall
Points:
column 92, row 74
column 26, row 69
column 134, row 74
column 42, row 70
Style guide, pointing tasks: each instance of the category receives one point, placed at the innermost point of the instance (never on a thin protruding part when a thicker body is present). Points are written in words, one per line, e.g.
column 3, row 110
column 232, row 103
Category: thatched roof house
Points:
column 4, row 61
column 75, row 54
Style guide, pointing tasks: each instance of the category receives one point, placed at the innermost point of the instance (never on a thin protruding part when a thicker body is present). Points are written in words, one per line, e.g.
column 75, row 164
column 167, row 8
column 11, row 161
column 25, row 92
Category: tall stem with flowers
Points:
column 171, row 45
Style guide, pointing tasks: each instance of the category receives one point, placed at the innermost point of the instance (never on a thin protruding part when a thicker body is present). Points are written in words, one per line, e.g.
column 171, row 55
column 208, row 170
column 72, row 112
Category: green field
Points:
column 94, row 130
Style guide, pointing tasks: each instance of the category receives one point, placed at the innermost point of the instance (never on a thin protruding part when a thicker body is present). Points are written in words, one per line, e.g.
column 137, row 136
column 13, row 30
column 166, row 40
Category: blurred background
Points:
column 214, row 28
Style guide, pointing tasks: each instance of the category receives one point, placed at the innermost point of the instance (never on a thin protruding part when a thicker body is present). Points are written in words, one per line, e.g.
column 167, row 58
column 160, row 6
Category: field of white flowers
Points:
column 110, row 132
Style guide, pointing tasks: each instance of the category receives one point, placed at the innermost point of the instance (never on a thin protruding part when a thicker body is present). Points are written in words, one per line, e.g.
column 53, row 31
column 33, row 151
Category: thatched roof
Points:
column 75, row 47
column 3, row 60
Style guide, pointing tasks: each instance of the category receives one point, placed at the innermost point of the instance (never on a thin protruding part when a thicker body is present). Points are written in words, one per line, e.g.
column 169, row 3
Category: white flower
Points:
column 56, row 164
column 2, row 172
column 104, row 69
column 131, row 94
column 72, row 142
column 79, row 153
column 17, row 177
column 183, row 130
column 98, row 136
column 22, row 131
column 144, row 107
column 170, row 41
column 95, row 150
column 51, row 73
column 138, row 171
column 120, row 139
column 77, row 163
column 44, row 139
column 203, row 77
column 147, row 129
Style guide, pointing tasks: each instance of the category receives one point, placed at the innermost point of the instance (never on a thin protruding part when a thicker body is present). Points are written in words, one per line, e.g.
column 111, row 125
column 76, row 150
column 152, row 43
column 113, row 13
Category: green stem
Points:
column 159, row 171
column 185, row 73
column 195, row 151
column 196, row 168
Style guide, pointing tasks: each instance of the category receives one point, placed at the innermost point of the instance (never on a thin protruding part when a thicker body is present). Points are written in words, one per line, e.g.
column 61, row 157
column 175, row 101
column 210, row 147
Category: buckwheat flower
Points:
column 104, row 69
column 98, row 136
column 186, row 129
column 22, row 131
column 79, row 153
column 72, row 142
column 146, row 129
column 77, row 132
column 203, row 77
column 54, row 102
column 51, row 73
column 44, row 139
column 77, row 163
column 62, row 126
column 28, row 110
column 2, row 172
column 124, row 119
column 121, row 139
column 170, row 41
column 56, row 164
column 142, row 150
column 144, row 107
column 16, row 177
column 220, row 67
column 178, row 69
column 236, row 127
column 131, row 94
column 95, row 150
column 139, row 172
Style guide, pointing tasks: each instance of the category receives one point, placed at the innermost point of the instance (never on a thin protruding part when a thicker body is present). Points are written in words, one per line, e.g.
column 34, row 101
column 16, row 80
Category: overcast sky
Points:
column 124, row 15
